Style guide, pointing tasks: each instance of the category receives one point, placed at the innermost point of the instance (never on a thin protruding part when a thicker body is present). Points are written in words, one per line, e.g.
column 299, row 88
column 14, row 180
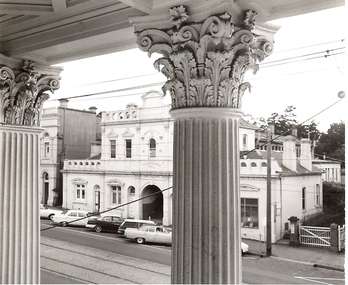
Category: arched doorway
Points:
column 45, row 188
column 153, row 205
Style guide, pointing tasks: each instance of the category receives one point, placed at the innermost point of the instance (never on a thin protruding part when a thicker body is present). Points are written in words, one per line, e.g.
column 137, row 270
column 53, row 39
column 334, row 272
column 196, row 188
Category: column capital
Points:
column 23, row 90
column 205, row 55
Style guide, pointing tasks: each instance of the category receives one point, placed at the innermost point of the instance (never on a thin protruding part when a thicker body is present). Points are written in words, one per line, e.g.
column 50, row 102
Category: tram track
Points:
column 96, row 266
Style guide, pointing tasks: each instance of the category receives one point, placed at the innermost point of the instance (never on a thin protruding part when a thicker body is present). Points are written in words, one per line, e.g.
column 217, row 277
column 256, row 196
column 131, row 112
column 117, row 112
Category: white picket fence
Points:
column 341, row 237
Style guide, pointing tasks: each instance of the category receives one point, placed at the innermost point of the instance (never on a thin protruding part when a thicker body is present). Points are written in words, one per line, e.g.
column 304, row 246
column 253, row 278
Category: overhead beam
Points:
column 58, row 5
column 25, row 9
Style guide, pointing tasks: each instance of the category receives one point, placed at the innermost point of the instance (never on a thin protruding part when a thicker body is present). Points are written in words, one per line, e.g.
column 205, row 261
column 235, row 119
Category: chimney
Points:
column 306, row 154
column 294, row 133
column 93, row 109
column 289, row 153
column 63, row 103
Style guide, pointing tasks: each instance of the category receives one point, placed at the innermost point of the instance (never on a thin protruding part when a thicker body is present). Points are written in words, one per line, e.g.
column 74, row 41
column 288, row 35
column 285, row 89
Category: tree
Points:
column 331, row 144
column 285, row 122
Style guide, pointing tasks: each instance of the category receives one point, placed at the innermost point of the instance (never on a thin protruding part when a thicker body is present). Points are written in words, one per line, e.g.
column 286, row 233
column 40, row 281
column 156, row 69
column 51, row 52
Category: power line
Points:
column 295, row 127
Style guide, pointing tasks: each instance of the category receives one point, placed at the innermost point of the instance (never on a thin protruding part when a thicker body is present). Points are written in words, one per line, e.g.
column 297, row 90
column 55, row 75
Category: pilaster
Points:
column 205, row 54
column 23, row 90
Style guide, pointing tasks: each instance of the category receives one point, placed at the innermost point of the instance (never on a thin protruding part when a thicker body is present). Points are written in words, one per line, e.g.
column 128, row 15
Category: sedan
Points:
column 72, row 217
column 48, row 213
column 149, row 233
column 108, row 223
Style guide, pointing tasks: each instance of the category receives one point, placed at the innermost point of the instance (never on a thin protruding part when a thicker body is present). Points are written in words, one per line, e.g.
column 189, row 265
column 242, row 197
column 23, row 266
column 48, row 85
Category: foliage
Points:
column 285, row 123
column 334, row 197
column 332, row 143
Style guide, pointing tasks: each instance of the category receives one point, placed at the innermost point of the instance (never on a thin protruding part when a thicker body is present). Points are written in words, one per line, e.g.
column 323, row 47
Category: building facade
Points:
column 136, row 161
column 64, row 138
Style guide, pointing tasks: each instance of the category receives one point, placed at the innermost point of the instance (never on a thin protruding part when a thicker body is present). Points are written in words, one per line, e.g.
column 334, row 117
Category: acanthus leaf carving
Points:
column 23, row 94
column 205, row 62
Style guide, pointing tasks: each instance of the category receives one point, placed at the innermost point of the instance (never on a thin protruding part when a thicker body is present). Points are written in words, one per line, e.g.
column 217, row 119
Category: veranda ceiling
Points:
column 55, row 31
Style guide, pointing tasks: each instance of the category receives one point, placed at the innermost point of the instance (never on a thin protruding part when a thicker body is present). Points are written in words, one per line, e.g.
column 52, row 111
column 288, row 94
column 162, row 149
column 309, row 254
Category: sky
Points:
column 307, row 69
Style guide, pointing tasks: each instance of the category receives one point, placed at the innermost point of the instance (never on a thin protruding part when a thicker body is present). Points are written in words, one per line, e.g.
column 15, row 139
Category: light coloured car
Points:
column 48, row 213
column 244, row 247
column 133, row 223
column 149, row 233
column 72, row 218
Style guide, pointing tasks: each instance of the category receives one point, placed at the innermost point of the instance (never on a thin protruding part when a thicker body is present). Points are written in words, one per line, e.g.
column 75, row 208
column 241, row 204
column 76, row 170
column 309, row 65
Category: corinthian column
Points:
column 22, row 93
column 205, row 56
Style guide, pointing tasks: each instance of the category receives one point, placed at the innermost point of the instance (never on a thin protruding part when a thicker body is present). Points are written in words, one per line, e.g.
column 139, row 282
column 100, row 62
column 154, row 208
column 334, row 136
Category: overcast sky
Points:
column 307, row 70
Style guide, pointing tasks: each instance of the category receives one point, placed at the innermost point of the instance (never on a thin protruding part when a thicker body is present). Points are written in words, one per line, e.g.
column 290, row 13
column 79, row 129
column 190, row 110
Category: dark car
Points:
column 108, row 223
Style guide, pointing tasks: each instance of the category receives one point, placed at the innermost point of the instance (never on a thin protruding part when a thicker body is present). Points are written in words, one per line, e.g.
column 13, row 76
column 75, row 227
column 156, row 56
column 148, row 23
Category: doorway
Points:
column 152, row 205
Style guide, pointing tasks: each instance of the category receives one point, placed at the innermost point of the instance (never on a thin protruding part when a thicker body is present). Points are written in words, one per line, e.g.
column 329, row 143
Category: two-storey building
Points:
column 63, row 138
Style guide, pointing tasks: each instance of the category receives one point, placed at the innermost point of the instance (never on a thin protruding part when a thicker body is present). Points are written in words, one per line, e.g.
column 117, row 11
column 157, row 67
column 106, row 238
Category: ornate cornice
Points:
column 205, row 62
column 22, row 94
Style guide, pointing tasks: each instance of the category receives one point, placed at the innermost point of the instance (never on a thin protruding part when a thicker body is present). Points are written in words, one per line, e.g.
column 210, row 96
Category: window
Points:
column 253, row 164
column 80, row 191
column 250, row 212
column 317, row 194
column 47, row 149
column 245, row 140
column 128, row 148
column 152, row 148
column 303, row 198
column 115, row 194
column 112, row 148
column 243, row 164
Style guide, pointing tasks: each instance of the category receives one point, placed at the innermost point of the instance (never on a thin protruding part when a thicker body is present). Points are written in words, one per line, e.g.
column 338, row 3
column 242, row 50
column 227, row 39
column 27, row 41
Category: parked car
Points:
column 158, row 234
column 244, row 247
column 132, row 223
column 48, row 213
column 109, row 223
column 72, row 217
column 149, row 233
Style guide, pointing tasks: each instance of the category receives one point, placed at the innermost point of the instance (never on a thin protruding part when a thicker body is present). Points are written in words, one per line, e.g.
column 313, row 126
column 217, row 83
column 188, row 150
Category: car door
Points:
column 114, row 225
column 162, row 236
column 149, row 234
column 72, row 216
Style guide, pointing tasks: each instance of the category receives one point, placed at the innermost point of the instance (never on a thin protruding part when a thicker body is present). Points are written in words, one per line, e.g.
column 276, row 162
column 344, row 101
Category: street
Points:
column 79, row 255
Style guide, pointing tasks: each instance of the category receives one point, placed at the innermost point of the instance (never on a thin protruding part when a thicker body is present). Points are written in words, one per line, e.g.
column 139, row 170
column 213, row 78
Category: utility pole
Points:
column 269, row 196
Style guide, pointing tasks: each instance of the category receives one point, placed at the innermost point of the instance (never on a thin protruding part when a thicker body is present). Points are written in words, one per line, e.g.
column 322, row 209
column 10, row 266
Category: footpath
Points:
column 315, row 256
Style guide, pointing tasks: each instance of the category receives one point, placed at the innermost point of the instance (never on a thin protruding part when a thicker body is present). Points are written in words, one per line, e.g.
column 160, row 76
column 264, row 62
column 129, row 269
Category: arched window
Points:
column 245, row 140
column 131, row 190
column 264, row 164
column 152, row 144
column 243, row 164
column 253, row 164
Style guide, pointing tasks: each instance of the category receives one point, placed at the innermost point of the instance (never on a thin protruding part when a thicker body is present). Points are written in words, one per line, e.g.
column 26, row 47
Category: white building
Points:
column 331, row 169
column 136, row 160
column 296, row 189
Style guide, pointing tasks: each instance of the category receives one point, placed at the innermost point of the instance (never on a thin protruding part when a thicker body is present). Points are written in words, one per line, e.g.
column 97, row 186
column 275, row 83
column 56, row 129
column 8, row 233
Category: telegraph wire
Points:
column 264, row 65
column 114, row 208
column 295, row 127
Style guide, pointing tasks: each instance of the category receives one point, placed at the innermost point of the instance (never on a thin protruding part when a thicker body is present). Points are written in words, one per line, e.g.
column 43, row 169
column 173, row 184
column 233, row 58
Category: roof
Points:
column 278, row 156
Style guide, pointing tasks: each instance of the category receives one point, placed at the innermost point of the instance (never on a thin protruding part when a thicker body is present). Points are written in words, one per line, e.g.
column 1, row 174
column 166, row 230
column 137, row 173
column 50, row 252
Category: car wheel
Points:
column 98, row 229
column 140, row 240
column 51, row 217
column 64, row 224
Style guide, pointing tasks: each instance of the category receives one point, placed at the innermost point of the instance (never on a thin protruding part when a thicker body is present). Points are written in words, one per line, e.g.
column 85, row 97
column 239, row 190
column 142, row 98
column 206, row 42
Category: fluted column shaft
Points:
column 206, row 213
column 19, row 205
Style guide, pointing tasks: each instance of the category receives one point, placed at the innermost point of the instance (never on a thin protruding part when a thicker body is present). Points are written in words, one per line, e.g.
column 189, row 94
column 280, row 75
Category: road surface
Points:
column 81, row 256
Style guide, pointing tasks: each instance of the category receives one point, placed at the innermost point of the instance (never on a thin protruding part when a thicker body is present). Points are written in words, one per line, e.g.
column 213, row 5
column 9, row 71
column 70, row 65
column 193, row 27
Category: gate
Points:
column 315, row 236
column 341, row 237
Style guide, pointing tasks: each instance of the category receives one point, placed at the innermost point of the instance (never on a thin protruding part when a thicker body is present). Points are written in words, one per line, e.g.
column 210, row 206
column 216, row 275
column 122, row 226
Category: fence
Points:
column 315, row 236
column 341, row 237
